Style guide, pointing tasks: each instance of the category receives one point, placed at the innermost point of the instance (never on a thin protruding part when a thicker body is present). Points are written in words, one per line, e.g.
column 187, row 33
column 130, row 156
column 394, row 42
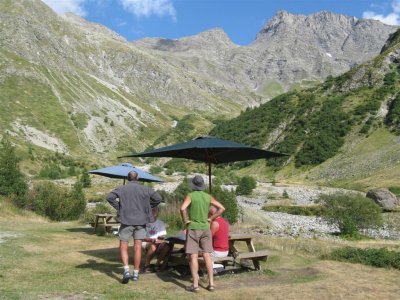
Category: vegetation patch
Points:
column 351, row 213
column 381, row 258
column 295, row 210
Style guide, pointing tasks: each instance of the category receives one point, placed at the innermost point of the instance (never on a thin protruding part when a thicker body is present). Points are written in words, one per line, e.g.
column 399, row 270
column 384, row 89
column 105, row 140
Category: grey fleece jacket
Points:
column 135, row 203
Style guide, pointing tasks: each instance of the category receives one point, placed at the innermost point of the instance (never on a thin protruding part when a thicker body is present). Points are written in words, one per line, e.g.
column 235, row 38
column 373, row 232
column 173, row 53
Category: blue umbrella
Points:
column 121, row 171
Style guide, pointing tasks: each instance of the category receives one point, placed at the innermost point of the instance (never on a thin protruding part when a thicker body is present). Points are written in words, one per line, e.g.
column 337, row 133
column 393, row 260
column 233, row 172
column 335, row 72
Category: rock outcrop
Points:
column 384, row 198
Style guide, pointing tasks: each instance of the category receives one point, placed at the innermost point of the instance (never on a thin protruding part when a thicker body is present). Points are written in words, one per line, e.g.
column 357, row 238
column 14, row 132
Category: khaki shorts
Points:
column 137, row 232
column 198, row 240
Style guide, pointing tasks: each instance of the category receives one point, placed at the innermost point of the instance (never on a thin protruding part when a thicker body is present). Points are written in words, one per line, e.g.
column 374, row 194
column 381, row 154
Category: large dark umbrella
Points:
column 121, row 171
column 210, row 150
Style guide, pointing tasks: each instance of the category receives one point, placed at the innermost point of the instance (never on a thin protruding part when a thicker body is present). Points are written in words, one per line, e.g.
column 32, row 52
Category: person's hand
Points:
column 187, row 223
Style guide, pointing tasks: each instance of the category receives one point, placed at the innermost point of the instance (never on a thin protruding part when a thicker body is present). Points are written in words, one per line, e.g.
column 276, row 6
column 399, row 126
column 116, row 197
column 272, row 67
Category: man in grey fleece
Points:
column 134, row 211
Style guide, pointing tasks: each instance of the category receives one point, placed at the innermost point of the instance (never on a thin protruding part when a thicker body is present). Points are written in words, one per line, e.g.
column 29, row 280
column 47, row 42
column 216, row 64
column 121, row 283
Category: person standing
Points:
column 134, row 210
column 197, row 221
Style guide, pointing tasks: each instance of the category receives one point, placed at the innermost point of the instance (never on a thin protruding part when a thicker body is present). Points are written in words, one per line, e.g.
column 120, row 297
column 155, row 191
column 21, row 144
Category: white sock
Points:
column 126, row 269
column 136, row 272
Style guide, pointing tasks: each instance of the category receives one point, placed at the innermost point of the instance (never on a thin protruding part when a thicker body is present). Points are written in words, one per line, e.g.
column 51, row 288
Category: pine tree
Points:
column 12, row 181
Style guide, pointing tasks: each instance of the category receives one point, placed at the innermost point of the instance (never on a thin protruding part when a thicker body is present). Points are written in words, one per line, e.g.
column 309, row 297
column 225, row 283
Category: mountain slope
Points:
column 76, row 87
column 289, row 49
column 81, row 87
column 332, row 130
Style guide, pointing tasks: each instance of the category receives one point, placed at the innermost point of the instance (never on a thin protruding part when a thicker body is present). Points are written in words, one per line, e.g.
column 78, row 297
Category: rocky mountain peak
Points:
column 210, row 40
column 90, row 27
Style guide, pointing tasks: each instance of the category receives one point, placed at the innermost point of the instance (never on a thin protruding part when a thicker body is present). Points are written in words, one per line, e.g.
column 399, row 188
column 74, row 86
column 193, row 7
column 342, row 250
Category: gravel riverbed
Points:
column 287, row 225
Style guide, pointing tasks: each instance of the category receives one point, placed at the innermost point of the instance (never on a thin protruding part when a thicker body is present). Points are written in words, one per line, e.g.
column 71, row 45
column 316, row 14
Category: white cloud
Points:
column 63, row 6
column 147, row 8
column 393, row 18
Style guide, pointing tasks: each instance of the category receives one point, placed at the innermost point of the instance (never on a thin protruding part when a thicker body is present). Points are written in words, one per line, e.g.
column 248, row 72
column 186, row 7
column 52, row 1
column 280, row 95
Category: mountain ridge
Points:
column 80, row 88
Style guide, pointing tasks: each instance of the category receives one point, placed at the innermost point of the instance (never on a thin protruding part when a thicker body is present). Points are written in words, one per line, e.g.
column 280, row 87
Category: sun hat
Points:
column 197, row 183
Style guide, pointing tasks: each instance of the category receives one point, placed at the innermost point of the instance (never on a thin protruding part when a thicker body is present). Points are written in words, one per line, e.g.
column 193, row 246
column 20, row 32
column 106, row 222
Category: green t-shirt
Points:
column 198, row 210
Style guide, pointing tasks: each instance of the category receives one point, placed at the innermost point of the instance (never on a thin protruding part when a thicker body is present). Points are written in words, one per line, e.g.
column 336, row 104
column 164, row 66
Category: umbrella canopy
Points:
column 121, row 171
column 210, row 150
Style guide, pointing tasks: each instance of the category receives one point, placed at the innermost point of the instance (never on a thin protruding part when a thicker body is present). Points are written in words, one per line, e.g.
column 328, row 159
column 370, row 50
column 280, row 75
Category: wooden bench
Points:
column 256, row 257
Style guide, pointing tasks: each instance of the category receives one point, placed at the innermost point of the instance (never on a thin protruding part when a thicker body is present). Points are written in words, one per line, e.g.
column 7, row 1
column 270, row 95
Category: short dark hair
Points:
column 132, row 175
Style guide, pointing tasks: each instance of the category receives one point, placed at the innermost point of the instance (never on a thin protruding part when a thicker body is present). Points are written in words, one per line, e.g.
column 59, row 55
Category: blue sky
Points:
column 240, row 19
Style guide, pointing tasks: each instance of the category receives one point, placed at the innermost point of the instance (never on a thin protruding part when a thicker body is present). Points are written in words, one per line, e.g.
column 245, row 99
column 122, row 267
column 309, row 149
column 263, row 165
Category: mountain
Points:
column 290, row 51
column 344, row 131
column 75, row 87
column 78, row 88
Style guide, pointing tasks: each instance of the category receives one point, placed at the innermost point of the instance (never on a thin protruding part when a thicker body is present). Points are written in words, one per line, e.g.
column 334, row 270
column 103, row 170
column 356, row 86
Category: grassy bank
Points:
column 45, row 260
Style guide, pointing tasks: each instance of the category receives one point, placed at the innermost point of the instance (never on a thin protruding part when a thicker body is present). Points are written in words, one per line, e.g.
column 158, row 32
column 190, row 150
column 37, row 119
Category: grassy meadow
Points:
column 47, row 260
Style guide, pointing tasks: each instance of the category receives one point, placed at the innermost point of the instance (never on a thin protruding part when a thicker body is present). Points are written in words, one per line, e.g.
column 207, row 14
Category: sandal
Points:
column 211, row 288
column 194, row 289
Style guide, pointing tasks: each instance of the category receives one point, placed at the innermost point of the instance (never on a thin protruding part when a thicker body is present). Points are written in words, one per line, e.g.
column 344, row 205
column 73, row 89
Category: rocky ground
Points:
column 286, row 225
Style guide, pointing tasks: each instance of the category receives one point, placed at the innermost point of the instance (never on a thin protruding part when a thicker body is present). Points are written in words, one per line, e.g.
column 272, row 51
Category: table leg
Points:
column 251, row 248
column 96, row 222
column 166, row 259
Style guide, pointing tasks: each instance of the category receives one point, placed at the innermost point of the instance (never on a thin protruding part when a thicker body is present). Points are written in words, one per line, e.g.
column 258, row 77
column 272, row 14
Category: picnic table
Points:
column 178, row 257
column 252, row 254
column 106, row 221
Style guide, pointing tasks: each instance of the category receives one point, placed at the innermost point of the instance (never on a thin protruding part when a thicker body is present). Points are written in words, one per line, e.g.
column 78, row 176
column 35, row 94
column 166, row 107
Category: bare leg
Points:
column 123, row 249
column 137, row 247
column 151, row 249
column 194, row 268
column 209, row 266
column 163, row 253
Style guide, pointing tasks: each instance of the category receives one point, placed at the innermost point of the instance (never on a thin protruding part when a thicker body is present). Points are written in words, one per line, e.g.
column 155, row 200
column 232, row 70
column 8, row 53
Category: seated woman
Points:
column 154, row 242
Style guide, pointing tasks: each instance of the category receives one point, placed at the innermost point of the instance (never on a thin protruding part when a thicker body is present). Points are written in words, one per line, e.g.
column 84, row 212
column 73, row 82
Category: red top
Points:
column 220, row 238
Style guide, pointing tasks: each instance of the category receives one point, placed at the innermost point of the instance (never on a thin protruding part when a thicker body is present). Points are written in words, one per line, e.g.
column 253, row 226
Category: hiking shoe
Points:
column 126, row 277
column 135, row 277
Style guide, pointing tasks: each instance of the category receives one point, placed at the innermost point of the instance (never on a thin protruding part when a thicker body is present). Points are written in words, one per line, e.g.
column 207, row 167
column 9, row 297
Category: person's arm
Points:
column 112, row 199
column 214, row 227
column 220, row 209
column 183, row 211
column 155, row 198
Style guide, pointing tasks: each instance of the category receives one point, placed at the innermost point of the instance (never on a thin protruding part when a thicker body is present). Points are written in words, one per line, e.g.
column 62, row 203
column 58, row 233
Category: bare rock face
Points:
column 289, row 50
column 384, row 198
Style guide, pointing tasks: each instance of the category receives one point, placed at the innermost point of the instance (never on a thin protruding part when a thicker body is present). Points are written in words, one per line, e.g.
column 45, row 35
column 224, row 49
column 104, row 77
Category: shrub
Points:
column 170, row 214
column 155, row 169
column 228, row 200
column 246, row 185
column 351, row 212
column 381, row 258
column 12, row 181
column 85, row 180
column 57, row 203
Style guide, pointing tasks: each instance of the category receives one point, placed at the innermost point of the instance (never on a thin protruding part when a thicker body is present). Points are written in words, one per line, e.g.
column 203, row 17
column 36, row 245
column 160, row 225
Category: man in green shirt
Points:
column 197, row 221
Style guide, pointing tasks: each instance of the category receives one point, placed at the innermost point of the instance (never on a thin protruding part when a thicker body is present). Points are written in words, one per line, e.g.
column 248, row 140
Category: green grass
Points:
column 271, row 89
column 34, row 104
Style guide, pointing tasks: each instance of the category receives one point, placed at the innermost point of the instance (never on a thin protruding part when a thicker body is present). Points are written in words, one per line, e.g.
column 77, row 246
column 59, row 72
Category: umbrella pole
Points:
column 209, row 177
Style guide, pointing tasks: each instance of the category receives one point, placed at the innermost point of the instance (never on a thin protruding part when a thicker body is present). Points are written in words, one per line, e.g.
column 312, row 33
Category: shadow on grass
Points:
column 108, row 254
column 176, row 275
column 103, row 267
column 88, row 230
column 111, row 264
